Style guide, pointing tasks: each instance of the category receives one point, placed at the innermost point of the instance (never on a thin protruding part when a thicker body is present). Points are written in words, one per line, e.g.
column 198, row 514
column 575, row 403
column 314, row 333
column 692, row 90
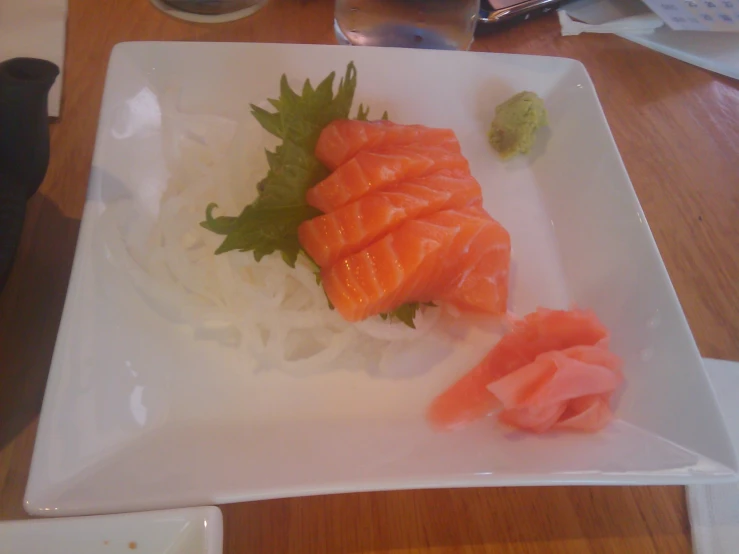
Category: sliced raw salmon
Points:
column 394, row 267
column 342, row 139
column 479, row 260
column 402, row 222
column 374, row 170
column 356, row 225
column 483, row 285
column 417, row 262
column 477, row 237
column 541, row 331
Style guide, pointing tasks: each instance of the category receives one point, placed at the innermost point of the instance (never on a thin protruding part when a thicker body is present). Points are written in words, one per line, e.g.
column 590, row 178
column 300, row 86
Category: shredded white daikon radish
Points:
column 280, row 314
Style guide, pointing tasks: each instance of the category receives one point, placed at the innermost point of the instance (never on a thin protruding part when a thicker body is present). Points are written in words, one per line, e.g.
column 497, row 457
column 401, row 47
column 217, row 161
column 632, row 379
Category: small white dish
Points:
column 184, row 531
column 140, row 415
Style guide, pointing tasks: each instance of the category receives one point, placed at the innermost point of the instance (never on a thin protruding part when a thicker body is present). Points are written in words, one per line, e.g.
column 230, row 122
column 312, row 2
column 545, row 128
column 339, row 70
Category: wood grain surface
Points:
column 677, row 128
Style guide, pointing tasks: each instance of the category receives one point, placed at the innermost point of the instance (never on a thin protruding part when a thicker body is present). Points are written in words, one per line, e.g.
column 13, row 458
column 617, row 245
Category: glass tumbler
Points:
column 433, row 24
column 216, row 7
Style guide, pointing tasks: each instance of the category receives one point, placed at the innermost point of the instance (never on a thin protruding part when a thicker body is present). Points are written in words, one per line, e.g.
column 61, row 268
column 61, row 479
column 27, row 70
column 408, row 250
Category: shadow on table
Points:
column 526, row 519
column 30, row 310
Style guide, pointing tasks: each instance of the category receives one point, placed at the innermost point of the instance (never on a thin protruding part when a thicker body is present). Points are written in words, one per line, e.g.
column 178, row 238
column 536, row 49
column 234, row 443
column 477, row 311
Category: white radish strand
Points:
column 280, row 314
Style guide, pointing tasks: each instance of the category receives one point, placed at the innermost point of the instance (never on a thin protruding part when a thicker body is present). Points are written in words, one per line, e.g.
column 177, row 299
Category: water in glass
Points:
column 434, row 24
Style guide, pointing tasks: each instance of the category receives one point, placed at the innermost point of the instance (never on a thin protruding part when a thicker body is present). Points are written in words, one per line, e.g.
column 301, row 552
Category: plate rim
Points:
column 616, row 478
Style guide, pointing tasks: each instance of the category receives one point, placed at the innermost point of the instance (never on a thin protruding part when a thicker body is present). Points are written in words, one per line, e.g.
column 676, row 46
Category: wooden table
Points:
column 677, row 128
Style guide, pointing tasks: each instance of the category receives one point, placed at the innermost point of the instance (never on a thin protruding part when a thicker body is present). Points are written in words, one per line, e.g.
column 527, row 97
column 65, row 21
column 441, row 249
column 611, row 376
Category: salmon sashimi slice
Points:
column 343, row 139
column 477, row 279
column 394, row 268
column 369, row 171
column 378, row 279
column 356, row 225
column 351, row 228
column 476, row 236
column 541, row 331
column 482, row 286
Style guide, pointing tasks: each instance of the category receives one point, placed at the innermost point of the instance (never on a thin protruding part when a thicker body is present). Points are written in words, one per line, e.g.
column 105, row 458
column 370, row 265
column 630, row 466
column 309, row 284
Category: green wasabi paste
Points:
column 516, row 122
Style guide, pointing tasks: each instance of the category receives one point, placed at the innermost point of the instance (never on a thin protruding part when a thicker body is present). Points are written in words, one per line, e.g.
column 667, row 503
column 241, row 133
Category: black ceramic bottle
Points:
column 24, row 145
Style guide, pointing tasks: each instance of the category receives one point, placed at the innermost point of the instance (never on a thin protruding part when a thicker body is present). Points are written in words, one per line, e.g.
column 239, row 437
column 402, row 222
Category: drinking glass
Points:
column 434, row 24
column 215, row 7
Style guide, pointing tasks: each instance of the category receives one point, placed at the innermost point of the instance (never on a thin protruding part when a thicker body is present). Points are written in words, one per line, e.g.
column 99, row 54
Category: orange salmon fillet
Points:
column 356, row 225
column 373, row 170
column 484, row 288
column 417, row 262
column 479, row 278
column 342, row 139
column 398, row 266
column 402, row 222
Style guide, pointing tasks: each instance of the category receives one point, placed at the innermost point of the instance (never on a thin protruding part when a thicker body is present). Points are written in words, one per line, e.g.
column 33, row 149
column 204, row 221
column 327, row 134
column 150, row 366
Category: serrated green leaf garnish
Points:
column 405, row 313
column 270, row 223
column 363, row 114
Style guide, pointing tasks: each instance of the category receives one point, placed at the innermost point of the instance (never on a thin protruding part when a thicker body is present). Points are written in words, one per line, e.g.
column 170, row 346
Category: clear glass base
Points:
column 213, row 7
column 397, row 35
column 341, row 38
column 172, row 7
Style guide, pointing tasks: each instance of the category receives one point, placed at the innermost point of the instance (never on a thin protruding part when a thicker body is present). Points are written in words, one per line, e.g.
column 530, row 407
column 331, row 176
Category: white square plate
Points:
column 139, row 415
column 185, row 531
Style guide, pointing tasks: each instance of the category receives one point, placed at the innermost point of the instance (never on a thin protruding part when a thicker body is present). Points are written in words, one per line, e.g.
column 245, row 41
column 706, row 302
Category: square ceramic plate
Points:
column 185, row 531
column 139, row 414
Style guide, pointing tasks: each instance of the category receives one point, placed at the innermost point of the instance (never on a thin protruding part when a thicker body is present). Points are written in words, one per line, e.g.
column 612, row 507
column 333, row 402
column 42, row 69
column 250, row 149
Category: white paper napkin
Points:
column 691, row 15
column 714, row 509
column 634, row 21
column 606, row 16
column 36, row 29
